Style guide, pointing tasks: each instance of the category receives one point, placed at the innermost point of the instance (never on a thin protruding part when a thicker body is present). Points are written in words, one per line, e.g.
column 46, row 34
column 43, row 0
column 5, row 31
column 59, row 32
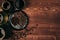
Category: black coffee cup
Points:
column 6, row 5
column 19, row 4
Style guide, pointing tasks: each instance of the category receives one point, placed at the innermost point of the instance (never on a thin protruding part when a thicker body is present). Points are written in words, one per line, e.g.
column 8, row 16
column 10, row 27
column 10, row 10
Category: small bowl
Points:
column 18, row 20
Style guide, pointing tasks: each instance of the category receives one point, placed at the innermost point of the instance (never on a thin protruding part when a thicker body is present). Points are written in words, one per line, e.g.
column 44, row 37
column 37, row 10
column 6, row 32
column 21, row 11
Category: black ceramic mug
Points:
column 20, row 4
column 8, row 6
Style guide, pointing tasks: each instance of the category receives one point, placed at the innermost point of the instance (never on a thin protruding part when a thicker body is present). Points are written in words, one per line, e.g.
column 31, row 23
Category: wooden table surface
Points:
column 44, row 15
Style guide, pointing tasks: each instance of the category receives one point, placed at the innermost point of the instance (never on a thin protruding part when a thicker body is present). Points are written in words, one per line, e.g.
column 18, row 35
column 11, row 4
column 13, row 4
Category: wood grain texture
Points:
column 45, row 16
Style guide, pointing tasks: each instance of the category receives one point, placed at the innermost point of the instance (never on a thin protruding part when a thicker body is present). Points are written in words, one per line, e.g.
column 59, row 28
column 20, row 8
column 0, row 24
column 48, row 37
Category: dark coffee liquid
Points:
column 5, row 5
